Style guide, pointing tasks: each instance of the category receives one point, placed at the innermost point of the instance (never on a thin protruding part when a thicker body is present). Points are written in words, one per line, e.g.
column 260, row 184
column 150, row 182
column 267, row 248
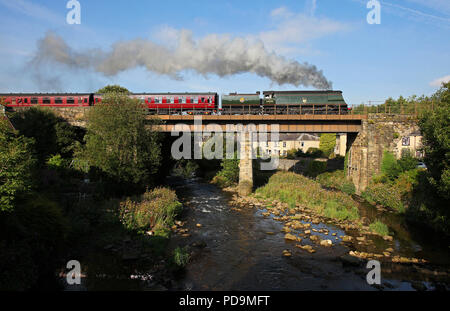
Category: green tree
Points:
column 327, row 143
column 119, row 143
column 16, row 166
column 52, row 134
column 113, row 89
column 435, row 128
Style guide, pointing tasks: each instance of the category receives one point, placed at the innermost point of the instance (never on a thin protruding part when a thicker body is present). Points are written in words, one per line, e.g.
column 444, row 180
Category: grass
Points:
column 155, row 210
column 292, row 188
column 379, row 227
column 181, row 257
column 336, row 180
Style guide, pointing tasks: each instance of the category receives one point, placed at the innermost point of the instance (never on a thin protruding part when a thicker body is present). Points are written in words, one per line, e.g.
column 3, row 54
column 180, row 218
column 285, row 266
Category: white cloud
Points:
column 34, row 10
column 292, row 29
column 442, row 6
column 438, row 82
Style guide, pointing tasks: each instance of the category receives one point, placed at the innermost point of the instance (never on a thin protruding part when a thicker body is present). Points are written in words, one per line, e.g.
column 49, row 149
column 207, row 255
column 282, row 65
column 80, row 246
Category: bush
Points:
column 314, row 152
column 385, row 195
column 379, row 227
column 229, row 174
column 389, row 165
column 155, row 210
column 291, row 154
column 181, row 256
column 315, row 168
column 337, row 180
column 327, row 143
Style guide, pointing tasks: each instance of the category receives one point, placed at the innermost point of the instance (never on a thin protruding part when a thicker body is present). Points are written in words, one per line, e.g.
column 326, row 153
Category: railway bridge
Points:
column 363, row 137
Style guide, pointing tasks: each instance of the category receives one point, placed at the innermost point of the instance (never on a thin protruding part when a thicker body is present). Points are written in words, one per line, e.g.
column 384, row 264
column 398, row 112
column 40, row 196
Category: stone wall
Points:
column 74, row 115
column 379, row 133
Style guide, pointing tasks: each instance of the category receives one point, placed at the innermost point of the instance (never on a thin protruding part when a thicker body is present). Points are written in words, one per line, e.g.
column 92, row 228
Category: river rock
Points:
column 307, row 248
column 291, row 237
column 388, row 238
column 326, row 243
column 198, row 225
column 390, row 250
column 347, row 238
column 307, row 231
column 287, row 253
column 315, row 238
column 361, row 238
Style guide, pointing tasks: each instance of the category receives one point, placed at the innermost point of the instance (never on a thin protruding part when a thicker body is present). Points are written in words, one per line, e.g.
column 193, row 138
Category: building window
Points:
column 303, row 144
column 405, row 141
column 284, row 145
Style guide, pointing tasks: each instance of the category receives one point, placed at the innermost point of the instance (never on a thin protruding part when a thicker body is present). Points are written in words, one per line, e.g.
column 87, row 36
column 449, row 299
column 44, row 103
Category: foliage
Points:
column 154, row 210
column 314, row 152
column 118, row 142
column 379, row 228
column 181, row 256
column 336, row 180
column 327, row 143
column 384, row 194
column 291, row 154
column 186, row 168
column 32, row 237
column 335, row 210
column 289, row 187
column 53, row 135
column 16, row 166
column 435, row 127
column 315, row 168
column 113, row 89
column 229, row 174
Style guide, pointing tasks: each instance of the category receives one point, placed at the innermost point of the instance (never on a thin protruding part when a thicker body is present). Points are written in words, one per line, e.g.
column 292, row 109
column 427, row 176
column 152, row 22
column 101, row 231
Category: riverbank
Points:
column 123, row 243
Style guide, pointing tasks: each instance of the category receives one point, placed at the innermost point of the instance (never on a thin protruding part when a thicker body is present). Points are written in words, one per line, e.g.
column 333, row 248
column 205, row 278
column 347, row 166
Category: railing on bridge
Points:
column 386, row 107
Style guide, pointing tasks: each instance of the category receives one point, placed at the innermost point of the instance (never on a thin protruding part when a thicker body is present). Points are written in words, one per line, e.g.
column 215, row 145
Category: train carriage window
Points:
column 58, row 101
column 25, row 100
column 34, row 101
column 46, row 101
column 183, row 100
column 70, row 101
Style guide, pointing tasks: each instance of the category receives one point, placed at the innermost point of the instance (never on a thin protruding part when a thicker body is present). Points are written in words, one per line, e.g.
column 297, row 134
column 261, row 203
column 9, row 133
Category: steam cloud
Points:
column 213, row 54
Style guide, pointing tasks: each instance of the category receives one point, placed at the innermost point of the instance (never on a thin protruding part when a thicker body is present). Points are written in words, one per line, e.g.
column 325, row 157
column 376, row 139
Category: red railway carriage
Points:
column 173, row 103
column 49, row 100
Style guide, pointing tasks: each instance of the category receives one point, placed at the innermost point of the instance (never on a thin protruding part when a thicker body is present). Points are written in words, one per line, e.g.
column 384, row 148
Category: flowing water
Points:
column 243, row 250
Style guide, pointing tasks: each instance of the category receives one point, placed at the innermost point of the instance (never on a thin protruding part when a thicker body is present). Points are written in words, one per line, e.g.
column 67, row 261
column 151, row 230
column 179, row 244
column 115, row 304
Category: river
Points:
column 243, row 250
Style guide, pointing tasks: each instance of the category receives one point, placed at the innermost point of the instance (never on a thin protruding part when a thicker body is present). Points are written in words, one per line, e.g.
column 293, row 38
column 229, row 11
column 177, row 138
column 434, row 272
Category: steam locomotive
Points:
column 272, row 102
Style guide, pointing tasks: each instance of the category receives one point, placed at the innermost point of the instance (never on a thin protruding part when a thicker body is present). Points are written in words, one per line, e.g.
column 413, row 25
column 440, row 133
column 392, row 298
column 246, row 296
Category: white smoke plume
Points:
column 213, row 54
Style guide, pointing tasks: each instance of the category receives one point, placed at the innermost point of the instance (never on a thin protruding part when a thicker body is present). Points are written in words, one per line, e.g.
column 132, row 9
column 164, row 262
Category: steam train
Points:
column 272, row 102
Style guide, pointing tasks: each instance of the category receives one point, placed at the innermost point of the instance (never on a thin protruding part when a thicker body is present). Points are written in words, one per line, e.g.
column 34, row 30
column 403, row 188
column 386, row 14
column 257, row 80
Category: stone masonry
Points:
column 379, row 133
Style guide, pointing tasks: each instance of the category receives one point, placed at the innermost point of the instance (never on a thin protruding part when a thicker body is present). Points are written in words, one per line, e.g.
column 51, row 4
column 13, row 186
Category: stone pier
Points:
column 245, row 165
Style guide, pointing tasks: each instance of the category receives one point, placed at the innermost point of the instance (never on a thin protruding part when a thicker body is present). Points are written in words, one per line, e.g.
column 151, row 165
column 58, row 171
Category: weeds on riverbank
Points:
column 295, row 189
column 336, row 180
column 155, row 210
column 379, row 227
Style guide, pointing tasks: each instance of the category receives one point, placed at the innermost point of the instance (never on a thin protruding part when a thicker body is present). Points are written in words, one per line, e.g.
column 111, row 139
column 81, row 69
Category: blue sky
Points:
column 408, row 53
